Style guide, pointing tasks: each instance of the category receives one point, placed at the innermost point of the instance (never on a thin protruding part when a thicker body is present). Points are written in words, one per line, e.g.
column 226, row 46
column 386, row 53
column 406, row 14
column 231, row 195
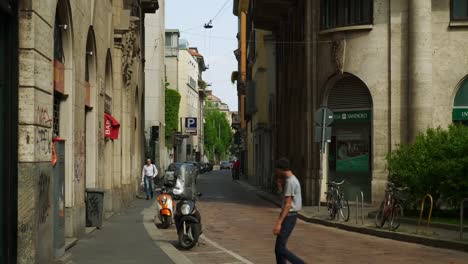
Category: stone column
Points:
column 420, row 66
column 35, row 112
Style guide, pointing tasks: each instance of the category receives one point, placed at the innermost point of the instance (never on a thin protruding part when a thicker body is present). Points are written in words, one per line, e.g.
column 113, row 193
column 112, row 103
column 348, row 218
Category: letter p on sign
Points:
column 191, row 124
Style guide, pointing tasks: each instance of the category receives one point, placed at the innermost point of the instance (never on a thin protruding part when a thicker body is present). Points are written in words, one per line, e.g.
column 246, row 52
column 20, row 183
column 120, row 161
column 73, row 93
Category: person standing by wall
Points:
column 147, row 177
column 290, row 187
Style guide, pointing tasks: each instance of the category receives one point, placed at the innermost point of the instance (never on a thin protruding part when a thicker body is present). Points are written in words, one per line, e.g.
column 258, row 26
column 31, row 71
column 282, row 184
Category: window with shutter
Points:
column 349, row 93
column 344, row 13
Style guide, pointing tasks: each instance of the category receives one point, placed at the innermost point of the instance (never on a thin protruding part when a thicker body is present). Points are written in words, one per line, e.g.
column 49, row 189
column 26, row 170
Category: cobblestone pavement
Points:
column 238, row 226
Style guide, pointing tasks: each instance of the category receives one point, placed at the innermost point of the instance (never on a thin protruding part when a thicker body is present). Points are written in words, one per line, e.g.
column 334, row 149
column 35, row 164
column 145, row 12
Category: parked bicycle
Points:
column 337, row 204
column 390, row 209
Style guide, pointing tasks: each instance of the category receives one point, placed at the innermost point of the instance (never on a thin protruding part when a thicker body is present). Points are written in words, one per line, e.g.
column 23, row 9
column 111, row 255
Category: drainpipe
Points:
column 243, row 63
column 389, row 76
column 420, row 67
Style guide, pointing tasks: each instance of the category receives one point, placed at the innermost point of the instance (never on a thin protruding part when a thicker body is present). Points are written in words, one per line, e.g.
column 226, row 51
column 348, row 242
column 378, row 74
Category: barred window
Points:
column 343, row 13
column 56, row 117
column 459, row 9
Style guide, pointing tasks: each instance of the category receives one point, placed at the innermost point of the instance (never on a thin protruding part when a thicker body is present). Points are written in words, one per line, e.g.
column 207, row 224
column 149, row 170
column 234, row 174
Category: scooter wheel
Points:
column 165, row 221
column 185, row 241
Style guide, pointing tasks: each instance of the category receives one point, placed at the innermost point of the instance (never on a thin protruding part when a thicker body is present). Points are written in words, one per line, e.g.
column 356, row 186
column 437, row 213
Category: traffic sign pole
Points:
column 322, row 144
column 324, row 117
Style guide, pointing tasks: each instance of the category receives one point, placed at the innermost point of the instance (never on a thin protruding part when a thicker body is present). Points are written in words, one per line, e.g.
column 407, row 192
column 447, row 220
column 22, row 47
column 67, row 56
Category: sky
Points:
column 216, row 45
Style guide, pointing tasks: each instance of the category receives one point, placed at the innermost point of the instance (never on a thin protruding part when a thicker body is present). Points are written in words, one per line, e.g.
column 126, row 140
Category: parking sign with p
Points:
column 191, row 124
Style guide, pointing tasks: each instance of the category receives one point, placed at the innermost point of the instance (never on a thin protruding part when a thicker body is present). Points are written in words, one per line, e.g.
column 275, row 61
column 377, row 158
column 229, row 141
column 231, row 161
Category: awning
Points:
column 111, row 127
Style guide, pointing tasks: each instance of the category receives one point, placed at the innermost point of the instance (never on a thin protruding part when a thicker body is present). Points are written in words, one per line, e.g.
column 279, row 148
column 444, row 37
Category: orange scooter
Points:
column 165, row 207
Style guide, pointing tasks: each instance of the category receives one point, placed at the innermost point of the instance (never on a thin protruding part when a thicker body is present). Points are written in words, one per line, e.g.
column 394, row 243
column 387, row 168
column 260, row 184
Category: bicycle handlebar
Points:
column 335, row 183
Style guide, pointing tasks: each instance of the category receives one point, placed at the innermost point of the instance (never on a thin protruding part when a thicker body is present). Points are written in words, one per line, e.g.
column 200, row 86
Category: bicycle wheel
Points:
column 380, row 216
column 331, row 205
column 344, row 209
column 397, row 212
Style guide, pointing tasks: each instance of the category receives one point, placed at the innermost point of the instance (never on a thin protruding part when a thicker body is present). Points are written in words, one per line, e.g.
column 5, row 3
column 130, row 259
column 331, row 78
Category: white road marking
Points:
column 210, row 252
column 216, row 245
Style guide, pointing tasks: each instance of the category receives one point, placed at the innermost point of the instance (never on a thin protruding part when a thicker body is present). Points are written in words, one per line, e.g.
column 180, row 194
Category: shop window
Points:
column 343, row 13
column 460, row 104
column 459, row 9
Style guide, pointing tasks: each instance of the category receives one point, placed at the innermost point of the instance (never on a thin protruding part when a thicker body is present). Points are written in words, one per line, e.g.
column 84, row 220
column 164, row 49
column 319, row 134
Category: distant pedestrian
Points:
column 235, row 170
column 290, row 187
column 147, row 177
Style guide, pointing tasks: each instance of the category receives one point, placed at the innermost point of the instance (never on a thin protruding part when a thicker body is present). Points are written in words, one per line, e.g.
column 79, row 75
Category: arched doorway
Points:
column 460, row 104
column 350, row 151
column 90, row 138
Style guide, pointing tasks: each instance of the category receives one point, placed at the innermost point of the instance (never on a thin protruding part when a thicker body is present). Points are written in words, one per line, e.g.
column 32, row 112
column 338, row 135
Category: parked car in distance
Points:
column 225, row 165
column 196, row 167
column 169, row 178
column 205, row 167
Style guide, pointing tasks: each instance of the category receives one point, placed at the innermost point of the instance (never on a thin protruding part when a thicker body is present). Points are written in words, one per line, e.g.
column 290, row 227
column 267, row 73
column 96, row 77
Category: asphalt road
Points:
column 238, row 229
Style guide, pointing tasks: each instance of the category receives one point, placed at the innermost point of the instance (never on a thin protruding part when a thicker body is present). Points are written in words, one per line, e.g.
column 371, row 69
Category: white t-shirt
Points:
column 293, row 188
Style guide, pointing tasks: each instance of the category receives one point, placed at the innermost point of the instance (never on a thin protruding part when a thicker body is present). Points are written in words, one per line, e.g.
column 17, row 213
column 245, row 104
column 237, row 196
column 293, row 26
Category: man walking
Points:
column 292, row 203
column 147, row 176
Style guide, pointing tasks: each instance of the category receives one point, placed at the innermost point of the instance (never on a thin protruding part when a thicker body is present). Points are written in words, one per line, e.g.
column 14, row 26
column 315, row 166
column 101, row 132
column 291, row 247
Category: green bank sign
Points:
column 353, row 116
column 460, row 114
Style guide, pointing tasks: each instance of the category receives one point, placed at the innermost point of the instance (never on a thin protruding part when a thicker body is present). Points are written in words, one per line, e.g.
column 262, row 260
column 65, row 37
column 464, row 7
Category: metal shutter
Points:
column 349, row 92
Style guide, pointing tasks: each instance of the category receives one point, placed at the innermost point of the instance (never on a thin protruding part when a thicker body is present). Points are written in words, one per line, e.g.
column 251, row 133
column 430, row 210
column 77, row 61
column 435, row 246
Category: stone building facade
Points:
column 79, row 62
column 155, row 86
column 184, row 73
column 388, row 69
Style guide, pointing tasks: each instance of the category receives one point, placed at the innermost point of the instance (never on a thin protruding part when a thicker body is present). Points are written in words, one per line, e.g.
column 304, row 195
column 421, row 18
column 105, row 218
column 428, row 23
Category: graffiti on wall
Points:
column 44, row 141
column 42, row 116
column 44, row 202
column 79, row 155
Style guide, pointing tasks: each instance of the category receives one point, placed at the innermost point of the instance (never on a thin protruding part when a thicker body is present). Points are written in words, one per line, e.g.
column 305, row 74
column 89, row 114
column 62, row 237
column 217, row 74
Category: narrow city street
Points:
column 238, row 229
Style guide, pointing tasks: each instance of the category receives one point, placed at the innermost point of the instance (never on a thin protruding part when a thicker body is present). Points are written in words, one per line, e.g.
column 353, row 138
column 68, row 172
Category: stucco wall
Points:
column 189, row 103
column 155, row 74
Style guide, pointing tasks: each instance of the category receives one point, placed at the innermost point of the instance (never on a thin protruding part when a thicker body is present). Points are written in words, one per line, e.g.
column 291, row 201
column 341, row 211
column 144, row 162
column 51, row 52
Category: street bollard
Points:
column 422, row 210
column 357, row 208
column 361, row 207
column 462, row 227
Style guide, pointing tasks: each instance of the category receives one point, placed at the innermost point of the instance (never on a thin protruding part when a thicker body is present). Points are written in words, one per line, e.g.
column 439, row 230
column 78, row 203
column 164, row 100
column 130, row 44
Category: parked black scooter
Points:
column 188, row 222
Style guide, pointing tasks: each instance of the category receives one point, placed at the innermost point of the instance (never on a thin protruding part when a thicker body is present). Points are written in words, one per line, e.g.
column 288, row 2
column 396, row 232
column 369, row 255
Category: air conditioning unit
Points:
column 149, row 6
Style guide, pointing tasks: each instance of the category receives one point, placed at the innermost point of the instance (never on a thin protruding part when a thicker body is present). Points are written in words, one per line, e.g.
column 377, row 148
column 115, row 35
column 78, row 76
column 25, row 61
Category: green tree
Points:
column 172, row 100
column 218, row 133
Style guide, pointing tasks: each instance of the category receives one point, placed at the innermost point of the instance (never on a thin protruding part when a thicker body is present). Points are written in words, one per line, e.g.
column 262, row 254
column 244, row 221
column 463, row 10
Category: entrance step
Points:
column 65, row 259
column 70, row 242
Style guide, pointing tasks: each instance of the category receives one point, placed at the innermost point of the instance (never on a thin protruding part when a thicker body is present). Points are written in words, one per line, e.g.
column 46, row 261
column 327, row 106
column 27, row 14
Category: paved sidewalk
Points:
column 435, row 237
column 122, row 239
